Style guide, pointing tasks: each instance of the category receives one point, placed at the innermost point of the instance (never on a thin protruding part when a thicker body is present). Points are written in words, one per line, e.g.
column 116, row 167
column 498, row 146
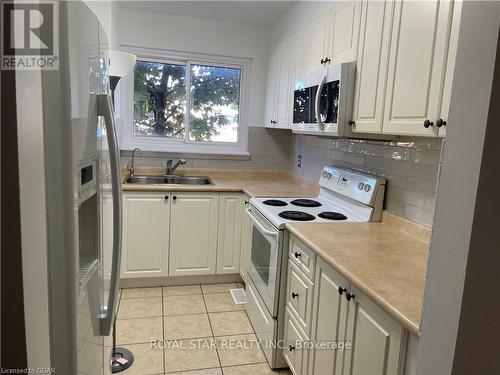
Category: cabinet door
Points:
column 417, row 66
column 245, row 242
column 318, row 32
column 378, row 342
column 450, row 66
column 294, row 353
column 229, row 239
column 300, row 59
column 299, row 296
column 371, row 68
column 193, row 233
column 344, row 33
column 145, row 235
column 285, row 87
column 272, row 91
column 329, row 318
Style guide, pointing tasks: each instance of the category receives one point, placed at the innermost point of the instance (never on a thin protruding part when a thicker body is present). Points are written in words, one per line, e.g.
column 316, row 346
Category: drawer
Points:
column 264, row 325
column 300, row 295
column 302, row 256
column 293, row 349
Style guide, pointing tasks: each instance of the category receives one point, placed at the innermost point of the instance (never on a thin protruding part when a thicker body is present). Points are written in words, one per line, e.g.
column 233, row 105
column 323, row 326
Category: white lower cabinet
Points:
column 372, row 342
column 294, row 351
column 231, row 207
column 145, row 235
column 245, row 241
column 183, row 233
column 378, row 342
column 328, row 319
column 193, row 233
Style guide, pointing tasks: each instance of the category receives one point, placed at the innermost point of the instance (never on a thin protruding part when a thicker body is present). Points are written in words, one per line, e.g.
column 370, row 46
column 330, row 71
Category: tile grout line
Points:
column 163, row 354
column 212, row 330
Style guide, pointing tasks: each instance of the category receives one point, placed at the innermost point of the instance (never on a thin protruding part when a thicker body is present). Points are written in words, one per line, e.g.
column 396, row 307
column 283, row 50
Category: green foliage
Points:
column 160, row 100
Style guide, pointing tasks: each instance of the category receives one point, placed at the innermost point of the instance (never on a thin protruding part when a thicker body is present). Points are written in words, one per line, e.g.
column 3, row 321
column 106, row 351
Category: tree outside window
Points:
column 161, row 108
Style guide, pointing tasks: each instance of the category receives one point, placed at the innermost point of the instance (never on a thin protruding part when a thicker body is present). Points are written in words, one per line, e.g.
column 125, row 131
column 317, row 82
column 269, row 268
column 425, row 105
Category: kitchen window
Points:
column 186, row 103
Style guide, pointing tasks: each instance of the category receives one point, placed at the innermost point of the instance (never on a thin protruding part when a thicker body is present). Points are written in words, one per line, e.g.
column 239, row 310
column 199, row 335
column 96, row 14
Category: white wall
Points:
column 198, row 35
column 106, row 12
column 458, row 185
column 299, row 15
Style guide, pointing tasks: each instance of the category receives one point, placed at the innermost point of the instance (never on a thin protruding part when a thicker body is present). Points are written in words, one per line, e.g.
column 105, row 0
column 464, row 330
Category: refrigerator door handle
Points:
column 105, row 109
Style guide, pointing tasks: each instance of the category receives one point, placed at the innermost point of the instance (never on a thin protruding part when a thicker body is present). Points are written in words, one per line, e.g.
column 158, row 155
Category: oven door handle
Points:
column 259, row 225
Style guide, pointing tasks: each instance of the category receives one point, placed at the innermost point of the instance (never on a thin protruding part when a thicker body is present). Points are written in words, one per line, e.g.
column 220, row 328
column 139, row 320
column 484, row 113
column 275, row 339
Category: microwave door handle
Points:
column 259, row 225
column 317, row 103
column 105, row 109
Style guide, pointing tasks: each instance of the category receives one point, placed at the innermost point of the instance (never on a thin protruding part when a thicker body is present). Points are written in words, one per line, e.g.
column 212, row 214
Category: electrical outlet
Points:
column 299, row 161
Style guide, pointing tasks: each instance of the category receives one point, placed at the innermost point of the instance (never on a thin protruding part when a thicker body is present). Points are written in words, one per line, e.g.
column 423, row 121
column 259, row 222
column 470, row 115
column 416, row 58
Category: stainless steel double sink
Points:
column 169, row 179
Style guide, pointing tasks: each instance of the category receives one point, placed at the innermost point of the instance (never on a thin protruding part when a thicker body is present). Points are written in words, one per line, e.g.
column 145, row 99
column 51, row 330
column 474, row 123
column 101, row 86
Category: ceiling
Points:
column 261, row 13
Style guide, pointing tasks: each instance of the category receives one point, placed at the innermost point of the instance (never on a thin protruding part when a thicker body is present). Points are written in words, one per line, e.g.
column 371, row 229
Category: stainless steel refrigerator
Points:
column 83, row 196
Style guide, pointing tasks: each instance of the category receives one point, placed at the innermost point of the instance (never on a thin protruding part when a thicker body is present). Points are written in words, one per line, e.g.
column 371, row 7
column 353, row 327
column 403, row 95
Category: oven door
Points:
column 264, row 267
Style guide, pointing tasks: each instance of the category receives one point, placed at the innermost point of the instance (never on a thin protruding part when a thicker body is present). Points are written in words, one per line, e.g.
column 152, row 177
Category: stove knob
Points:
column 329, row 176
column 361, row 185
column 367, row 188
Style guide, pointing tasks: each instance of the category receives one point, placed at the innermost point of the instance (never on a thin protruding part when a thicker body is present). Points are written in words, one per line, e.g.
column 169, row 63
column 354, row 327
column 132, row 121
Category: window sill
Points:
column 191, row 155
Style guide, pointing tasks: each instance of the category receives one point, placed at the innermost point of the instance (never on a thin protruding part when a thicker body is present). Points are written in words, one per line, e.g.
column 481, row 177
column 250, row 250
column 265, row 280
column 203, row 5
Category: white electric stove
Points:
column 345, row 196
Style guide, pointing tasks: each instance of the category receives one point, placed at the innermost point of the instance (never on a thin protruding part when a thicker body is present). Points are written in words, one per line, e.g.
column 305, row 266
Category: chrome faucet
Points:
column 130, row 167
column 171, row 169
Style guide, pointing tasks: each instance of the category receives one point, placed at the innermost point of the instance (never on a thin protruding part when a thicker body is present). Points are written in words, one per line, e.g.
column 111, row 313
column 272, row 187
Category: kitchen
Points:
column 231, row 216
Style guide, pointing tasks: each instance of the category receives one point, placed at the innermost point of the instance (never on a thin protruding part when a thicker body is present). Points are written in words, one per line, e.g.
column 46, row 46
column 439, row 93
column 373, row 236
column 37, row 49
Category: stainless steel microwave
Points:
column 328, row 91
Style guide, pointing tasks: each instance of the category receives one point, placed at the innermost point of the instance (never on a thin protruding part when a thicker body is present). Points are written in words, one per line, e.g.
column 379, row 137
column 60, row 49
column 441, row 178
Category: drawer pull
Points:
column 349, row 296
column 291, row 348
column 294, row 295
column 297, row 255
column 342, row 290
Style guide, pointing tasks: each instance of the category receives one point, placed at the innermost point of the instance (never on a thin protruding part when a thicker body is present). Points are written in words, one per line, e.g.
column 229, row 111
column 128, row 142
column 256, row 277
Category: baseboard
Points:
column 179, row 280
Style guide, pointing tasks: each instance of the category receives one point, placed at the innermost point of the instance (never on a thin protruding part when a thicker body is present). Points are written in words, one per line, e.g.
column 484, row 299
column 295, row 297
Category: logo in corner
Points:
column 29, row 35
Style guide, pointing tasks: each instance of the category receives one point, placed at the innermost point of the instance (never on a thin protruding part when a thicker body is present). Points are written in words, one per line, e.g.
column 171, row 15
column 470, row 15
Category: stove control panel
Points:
column 361, row 187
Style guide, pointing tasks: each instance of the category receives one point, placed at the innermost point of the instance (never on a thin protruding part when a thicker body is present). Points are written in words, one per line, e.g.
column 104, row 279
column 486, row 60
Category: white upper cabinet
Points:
column 193, row 233
column 272, row 91
column 334, row 36
column 450, row 68
column 285, row 86
column 344, row 33
column 417, row 67
column 145, row 235
column 371, row 67
column 231, row 207
column 318, row 33
column 279, row 87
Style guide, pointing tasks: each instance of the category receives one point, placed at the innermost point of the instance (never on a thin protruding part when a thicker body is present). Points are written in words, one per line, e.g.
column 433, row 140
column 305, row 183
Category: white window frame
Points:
column 125, row 109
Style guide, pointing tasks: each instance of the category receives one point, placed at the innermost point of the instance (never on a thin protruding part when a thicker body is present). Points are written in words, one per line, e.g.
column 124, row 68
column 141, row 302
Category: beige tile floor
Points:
column 193, row 320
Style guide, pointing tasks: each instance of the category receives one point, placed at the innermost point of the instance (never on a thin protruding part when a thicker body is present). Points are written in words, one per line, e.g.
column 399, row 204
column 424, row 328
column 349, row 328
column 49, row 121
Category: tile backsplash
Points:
column 269, row 149
column 411, row 168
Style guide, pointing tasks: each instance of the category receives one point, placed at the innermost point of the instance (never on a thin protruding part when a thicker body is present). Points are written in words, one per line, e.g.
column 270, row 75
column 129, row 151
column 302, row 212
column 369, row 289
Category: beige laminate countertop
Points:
column 382, row 261
column 252, row 183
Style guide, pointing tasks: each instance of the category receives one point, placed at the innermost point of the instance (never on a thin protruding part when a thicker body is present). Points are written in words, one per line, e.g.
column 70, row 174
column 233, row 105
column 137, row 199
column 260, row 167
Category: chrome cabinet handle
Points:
column 105, row 109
